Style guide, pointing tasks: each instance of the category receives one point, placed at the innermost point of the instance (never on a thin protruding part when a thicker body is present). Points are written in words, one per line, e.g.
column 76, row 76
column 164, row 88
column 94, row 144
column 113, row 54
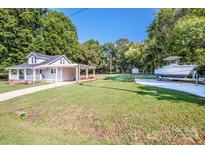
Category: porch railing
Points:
column 37, row 77
column 14, row 77
column 27, row 77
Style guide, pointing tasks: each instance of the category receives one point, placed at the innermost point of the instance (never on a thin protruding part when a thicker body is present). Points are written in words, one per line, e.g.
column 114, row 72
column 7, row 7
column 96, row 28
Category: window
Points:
column 33, row 60
column 40, row 71
column 53, row 71
column 62, row 61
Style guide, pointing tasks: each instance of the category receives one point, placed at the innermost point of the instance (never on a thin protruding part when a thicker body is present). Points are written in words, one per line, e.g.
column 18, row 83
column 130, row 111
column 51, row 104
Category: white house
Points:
column 40, row 67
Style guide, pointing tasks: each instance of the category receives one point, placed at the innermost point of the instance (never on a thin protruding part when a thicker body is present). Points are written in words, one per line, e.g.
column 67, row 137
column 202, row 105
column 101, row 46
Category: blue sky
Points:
column 108, row 25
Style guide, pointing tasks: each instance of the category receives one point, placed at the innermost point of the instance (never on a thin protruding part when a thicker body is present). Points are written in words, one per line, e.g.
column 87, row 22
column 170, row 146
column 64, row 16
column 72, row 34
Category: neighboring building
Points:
column 135, row 70
column 40, row 67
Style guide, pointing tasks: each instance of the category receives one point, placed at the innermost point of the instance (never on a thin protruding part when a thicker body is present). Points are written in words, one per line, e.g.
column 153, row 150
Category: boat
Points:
column 173, row 69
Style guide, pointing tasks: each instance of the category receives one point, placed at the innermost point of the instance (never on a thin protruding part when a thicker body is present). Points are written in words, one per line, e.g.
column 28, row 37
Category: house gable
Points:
column 32, row 58
column 62, row 60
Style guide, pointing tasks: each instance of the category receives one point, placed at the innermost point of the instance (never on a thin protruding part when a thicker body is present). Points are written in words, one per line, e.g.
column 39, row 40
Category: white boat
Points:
column 173, row 69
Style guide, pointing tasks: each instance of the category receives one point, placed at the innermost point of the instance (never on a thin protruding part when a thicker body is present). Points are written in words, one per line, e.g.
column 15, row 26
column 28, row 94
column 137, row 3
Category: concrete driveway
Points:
column 21, row 92
column 185, row 87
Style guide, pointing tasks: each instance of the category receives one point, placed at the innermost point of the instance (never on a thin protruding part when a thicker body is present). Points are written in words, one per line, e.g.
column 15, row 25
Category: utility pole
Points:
column 110, row 61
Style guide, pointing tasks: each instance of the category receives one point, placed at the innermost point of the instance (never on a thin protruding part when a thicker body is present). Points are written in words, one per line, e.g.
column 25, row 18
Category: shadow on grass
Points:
column 159, row 94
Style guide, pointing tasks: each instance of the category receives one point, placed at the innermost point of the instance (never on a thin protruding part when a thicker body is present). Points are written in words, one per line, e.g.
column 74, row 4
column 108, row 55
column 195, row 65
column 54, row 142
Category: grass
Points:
column 122, row 78
column 104, row 112
column 145, row 76
column 5, row 87
column 126, row 77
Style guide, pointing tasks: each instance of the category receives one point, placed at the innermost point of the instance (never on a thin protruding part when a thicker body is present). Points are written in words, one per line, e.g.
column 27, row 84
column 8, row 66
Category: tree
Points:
column 59, row 35
column 176, row 32
column 187, row 39
column 109, row 57
column 122, row 46
column 91, row 52
column 134, row 55
column 39, row 30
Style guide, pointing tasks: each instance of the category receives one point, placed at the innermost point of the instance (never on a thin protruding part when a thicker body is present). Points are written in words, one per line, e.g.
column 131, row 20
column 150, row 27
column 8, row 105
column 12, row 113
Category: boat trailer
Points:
column 195, row 78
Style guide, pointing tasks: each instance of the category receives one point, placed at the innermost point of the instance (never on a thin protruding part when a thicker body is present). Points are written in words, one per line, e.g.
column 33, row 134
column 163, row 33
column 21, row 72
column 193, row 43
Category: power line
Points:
column 77, row 12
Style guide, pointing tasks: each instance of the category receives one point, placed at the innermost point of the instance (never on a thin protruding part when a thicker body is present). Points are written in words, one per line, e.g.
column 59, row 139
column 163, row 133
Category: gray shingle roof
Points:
column 47, row 61
column 45, row 56
column 26, row 65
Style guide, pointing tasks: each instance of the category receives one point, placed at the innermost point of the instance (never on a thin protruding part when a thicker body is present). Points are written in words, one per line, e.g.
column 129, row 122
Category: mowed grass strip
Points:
column 6, row 87
column 104, row 112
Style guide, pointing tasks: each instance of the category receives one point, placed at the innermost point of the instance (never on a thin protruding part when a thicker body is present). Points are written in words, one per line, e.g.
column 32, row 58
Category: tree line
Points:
column 173, row 32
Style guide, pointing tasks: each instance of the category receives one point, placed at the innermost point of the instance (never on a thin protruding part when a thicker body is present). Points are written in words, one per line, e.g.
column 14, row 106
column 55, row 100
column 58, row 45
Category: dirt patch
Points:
column 187, row 136
column 174, row 135
column 33, row 116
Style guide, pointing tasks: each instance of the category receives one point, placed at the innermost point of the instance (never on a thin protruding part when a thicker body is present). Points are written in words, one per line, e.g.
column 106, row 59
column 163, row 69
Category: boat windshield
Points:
column 173, row 62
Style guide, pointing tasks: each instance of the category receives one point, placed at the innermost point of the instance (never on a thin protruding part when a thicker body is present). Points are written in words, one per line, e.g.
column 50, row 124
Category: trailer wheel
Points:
column 158, row 77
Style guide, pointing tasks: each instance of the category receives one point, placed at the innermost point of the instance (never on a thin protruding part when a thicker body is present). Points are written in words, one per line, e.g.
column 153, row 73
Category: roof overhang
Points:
column 172, row 58
column 83, row 66
column 74, row 65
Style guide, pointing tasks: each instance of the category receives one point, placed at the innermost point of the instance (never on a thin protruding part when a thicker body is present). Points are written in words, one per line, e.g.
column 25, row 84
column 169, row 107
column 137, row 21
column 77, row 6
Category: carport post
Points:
column 56, row 79
column 17, row 74
column 61, row 74
column 79, row 73
column 9, row 75
column 76, row 73
column 34, row 75
column 86, row 73
column 24, row 74
column 93, row 72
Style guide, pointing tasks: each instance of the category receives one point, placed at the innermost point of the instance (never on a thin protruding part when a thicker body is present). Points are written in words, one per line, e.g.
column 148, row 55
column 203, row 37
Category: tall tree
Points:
column 122, row 46
column 109, row 57
column 40, row 30
column 176, row 32
column 91, row 52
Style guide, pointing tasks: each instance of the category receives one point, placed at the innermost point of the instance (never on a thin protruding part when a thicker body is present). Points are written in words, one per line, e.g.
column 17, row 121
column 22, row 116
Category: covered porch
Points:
column 25, row 74
column 53, row 74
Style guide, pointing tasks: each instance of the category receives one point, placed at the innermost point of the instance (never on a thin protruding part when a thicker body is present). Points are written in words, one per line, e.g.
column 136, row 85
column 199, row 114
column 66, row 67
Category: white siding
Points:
column 68, row 74
column 47, row 74
column 30, row 59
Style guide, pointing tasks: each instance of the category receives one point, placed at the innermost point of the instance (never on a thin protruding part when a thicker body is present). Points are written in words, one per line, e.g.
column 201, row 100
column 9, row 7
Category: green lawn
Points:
column 125, row 77
column 104, row 112
column 5, row 87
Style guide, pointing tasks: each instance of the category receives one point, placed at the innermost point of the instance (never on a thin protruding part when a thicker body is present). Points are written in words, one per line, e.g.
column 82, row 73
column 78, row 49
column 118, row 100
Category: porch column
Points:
column 34, row 75
column 93, row 72
column 56, row 74
column 79, row 74
column 17, row 74
column 61, row 74
column 25, row 74
column 9, row 75
column 76, row 73
column 86, row 73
